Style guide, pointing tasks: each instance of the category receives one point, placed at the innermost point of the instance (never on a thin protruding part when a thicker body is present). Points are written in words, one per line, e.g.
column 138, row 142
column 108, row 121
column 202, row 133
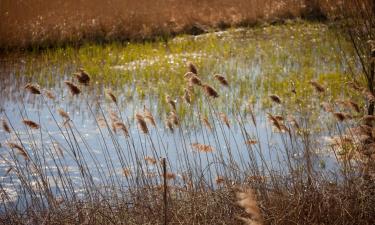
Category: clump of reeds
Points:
column 221, row 79
column 141, row 123
column 82, row 76
column 210, row 91
column 247, row 200
column 74, row 89
column 31, row 124
column 33, row 88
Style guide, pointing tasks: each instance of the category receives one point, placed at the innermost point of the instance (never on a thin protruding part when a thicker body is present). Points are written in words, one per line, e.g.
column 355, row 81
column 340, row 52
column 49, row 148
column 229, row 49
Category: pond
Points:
column 92, row 139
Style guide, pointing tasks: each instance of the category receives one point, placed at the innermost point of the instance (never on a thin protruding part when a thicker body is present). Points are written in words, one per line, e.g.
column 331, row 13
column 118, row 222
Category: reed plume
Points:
column 50, row 94
column 340, row 116
column 126, row 172
column 318, row 87
column 192, row 68
column 354, row 106
column 150, row 160
column 63, row 114
column 171, row 103
column 72, row 87
column 188, row 75
column 19, row 149
column 6, row 126
column 169, row 124
column 206, row 123
column 111, row 96
column 221, row 79
column 173, row 118
column 210, row 91
column 275, row 99
column 202, row 147
column 224, row 119
column 194, row 80
column 187, row 96
column 141, row 123
column 148, row 116
column 82, row 76
column 31, row 124
column 121, row 126
column 251, row 142
column 247, row 200
column 327, row 107
column 33, row 88
column 219, row 180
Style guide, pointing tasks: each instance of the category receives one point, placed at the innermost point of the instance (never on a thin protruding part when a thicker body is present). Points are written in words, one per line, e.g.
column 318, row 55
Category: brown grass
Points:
column 37, row 23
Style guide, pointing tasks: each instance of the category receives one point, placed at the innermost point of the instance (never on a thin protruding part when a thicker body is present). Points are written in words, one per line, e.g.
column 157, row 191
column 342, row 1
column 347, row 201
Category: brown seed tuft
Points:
column 33, row 88
column 340, row 116
column 194, row 80
column 6, row 126
column 206, row 123
column 141, row 123
column 275, row 99
column 111, row 96
column 354, row 106
column 210, row 91
column 83, row 77
column 187, row 96
column 224, row 119
column 318, row 87
column 121, row 126
column 219, row 179
column 31, row 124
column 172, row 103
column 148, row 116
column 150, row 160
column 20, row 149
column 202, row 147
column 251, row 142
column 192, row 68
column 63, row 114
column 50, row 94
column 72, row 87
column 221, row 79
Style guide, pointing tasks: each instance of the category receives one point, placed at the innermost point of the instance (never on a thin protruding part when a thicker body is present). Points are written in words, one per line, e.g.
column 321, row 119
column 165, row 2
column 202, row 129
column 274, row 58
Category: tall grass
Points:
column 200, row 183
column 38, row 24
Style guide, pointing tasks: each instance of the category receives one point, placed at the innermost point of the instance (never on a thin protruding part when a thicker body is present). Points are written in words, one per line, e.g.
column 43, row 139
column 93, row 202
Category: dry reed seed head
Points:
column 111, row 96
column 219, row 180
column 187, row 96
column 221, row 79
column 206, row 123
column 340, row 116
column 327, row 107
column 148, row 116
column 101, row 122
column 369, row 96
column 83, row 77
column 126, row 172
column 63, row 114
column 20, row 150
column 171, row 102
column 6, row 126
column 150, row 160
column 192, row 68
column 275, row 99
column 169, row 124
column 72, row 87
column 50, row 94
column 141, row 123
column 354, row 106
column 202, row 147
column 173, row 118
column 194, row 80
column 355, row 86
column 210, row 91
column 246, row 200
column 33, row 88
column 121, row 126
column 224, row 119
column 318, row 87
column 368, row 118
column 279, row 117
column 251, row 142
column 31, row 124
column 170, row 176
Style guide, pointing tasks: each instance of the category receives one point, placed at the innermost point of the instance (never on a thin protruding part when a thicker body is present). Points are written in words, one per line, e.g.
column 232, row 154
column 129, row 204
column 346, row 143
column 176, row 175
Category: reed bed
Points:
column 220, row 178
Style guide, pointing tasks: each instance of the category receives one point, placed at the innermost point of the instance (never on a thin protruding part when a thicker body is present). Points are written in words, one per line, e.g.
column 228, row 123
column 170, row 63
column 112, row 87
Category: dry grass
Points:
column 39, row 23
